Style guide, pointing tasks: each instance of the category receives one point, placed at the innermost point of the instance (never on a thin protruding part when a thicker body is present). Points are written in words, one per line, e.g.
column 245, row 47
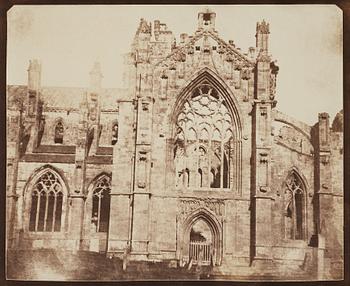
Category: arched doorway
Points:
column 202, row 238
column 200, row 247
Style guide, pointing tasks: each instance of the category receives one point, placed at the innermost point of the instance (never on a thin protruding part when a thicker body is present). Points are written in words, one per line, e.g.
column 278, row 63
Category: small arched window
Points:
column 200, row 177
column 101, row 204
column 187, row 177
column 114, row 133
column 295, row 207
column 59, row 131
column 46, row 204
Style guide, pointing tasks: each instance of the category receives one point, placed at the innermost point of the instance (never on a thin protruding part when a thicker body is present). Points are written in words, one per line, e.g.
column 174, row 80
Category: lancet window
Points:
column 204, row 148
column 294, row 207
column 59, row 131
column 101, row 204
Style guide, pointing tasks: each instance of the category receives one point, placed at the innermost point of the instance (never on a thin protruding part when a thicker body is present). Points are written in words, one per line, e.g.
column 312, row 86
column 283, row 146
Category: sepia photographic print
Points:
column 181, row 142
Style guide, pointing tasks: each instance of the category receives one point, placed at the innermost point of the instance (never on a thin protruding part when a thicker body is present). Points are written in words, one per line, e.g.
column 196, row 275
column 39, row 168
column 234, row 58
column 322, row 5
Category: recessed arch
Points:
column 39, row 171
column 295, row 205
column 216, row 122
column 97, row 204
column 45, row 198
column 216, row 232
column 207, row 75
column 96, row 178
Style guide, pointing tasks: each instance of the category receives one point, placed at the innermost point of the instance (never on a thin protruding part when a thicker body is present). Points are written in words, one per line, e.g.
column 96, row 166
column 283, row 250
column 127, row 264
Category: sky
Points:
column 306, row 41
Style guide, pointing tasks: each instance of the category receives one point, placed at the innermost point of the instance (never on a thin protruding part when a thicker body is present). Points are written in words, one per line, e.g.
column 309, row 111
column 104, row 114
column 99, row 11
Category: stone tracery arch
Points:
column 295, row 205
column 215, row 227
column 206, row 114
column 45, row 201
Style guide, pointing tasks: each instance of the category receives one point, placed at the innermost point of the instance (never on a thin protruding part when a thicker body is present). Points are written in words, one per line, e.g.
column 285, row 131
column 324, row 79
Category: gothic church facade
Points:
column 191, row 161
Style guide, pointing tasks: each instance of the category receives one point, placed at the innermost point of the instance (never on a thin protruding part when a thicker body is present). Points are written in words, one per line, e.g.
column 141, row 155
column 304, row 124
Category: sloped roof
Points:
column 66, row 97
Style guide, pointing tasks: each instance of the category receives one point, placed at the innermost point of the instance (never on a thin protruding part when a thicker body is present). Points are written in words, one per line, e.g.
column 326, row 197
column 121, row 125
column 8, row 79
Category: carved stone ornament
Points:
column 188, row 206
column 141, row 184
column 263, row 158
column 272, row 86
column 264, row 58
column 79, row 164
column 246, row 74
column 145, row 106
column 325, row 186
column 142, row 156
column 80, row 143
column 263, row 111
column 263, row 189
column 325, row 159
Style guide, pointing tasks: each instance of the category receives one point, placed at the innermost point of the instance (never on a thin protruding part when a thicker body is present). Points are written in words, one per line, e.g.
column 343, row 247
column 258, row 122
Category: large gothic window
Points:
column 204, row 141
column 46, row 204
column 294, row 207
column 101, row 204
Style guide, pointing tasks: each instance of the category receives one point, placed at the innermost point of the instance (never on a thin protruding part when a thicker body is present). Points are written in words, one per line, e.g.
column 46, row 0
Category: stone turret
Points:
column 34, row 75
column 262, row 36
column 96, row 77
column 206, row 20
column 34, row 84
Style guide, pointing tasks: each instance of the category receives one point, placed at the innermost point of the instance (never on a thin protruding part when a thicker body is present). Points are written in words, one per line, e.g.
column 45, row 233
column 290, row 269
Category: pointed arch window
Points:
column 101, row 204
column 295, row 211
column 59, row 132
column 114, row 133
column 204, row 141
column 46, row 204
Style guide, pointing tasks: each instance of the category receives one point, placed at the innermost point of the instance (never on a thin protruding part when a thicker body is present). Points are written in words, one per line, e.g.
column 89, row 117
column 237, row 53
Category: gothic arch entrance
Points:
column 201, row 238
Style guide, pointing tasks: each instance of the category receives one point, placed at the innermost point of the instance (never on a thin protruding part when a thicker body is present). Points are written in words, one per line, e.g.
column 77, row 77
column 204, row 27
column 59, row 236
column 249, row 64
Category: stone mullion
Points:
column 54, row 212
column 46, row 210
column 221, row 163
column 99, row 212
column 37, row 212
column 196, row 175
column 209, row 152
column 294, row 215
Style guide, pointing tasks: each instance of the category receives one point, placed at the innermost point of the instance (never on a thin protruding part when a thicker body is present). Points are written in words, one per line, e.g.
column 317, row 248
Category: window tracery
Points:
column 101, row 204
column 204, row 140
column 46, row 204
column 294, row 207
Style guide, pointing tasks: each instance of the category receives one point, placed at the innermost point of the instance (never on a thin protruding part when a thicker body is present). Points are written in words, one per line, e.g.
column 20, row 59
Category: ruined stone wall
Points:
column 69, row 121
column 285, row 160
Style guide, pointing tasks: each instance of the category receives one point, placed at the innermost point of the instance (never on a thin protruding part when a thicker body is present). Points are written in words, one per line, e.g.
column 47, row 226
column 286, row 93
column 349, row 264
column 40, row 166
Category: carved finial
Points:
column 144, row 27
column 206, row 19
column 323, row 115
column 262, row 27
column 34, row 74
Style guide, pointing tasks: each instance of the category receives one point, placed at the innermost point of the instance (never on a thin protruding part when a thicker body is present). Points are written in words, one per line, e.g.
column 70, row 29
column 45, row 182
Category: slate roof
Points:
column 66, row 97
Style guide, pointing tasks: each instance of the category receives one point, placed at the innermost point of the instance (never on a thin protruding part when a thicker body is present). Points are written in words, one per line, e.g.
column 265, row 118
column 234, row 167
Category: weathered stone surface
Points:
column 193, row 137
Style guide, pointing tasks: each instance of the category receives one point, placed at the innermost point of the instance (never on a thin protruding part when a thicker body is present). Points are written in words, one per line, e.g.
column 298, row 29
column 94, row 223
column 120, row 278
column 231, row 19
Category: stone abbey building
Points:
column 190, row 161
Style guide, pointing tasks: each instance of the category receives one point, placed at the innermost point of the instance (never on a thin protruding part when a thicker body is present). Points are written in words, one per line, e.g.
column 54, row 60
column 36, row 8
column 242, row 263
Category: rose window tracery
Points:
column 204, row 141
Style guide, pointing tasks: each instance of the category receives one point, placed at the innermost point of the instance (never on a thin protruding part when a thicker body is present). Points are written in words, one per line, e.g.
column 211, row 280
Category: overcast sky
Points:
column 305, row 40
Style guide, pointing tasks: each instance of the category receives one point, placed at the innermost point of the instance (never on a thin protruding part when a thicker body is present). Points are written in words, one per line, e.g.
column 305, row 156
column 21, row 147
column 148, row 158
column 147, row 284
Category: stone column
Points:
column 141, row 211
column 33, row 112
column 120, row 221
column 77, row 192
column 13, row 141
column 262, row 198
column 323, row 197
